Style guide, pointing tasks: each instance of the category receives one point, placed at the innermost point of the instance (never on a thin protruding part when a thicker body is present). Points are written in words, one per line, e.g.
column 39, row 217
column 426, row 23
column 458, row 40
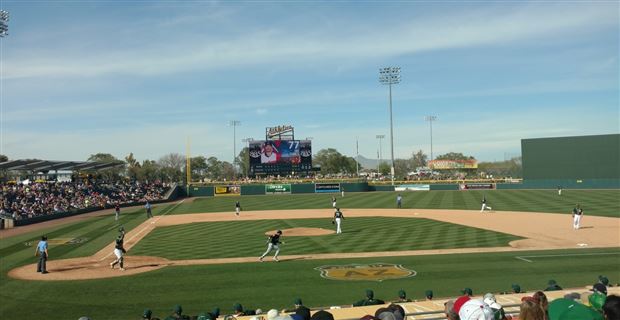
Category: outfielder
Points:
column 338, row 217
column 117, row 211
column 577, row 214
column 334, row 202
column 119, row 251
column 273, row 243
column 484, row 205
column 237, row 207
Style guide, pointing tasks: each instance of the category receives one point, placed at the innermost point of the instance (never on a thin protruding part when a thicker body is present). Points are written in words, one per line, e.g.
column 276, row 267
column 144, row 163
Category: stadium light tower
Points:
column 380, row 137
column 390, row 76
column 4, row 23
column 430, row 120
column 234, row 124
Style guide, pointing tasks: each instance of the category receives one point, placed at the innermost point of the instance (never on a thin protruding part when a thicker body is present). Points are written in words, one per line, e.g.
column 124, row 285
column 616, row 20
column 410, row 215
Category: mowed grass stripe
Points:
column 595, row 202
column 363, row 234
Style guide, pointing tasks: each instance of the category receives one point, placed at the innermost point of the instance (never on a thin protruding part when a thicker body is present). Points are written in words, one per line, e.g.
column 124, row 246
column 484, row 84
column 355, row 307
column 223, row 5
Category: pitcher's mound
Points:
column 302, row 232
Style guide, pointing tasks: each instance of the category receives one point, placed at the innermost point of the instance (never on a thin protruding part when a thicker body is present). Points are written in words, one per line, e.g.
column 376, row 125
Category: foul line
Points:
column 566, row 255
column 147, row 226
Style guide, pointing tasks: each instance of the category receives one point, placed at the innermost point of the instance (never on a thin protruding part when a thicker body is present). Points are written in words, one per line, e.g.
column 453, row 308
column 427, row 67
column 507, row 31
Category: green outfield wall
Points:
column 584, row 158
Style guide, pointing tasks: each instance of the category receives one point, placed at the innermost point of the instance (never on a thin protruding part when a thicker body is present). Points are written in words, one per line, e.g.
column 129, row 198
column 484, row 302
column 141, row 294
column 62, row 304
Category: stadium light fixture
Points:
column 4, row 23
column 234, row 124
column 430, row 120
column 380, row 137
column 390, row 76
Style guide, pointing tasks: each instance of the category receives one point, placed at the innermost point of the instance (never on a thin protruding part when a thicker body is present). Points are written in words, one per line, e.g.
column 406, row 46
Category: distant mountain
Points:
column 368, row 163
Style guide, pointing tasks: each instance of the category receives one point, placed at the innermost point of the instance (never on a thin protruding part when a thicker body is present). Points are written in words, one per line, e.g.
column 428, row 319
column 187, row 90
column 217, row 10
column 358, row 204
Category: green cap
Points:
column 516, row 288
column 603, row 280
column 597, row 300
column 402, row 294
column 237, row 307
column 147, row 313
column 566, row 309
column 298, row 301
column 204, row 316
column 177, row 309
column 428, row 293
column 467, row 291
column 369, row 294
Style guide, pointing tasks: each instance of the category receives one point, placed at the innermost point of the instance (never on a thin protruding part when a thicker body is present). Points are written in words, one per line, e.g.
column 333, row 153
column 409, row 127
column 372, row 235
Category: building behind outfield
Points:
column 572, row 162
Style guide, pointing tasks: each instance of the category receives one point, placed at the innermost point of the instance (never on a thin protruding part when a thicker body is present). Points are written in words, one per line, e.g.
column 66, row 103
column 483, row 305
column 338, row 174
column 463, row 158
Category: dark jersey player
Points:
column 273, row 244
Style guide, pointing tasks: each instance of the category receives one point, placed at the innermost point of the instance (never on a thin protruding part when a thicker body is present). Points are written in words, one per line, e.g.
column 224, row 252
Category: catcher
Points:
column 273, row 243
column 119, row 250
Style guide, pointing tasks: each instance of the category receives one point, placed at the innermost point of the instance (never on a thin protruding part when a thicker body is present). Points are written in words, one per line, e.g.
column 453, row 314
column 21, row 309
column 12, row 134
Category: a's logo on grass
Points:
column 368, row 272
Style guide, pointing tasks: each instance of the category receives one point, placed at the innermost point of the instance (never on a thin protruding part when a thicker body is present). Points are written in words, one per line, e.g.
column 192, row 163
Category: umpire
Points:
column 42, row 252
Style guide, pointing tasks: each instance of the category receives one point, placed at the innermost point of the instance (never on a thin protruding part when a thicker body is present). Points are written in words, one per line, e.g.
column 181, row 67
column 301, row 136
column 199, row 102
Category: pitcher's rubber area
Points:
column 542, row 231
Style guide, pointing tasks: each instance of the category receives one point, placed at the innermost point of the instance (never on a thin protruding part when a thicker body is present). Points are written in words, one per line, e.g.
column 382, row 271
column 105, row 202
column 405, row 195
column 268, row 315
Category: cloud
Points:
column 347, row 40
column 261, row 111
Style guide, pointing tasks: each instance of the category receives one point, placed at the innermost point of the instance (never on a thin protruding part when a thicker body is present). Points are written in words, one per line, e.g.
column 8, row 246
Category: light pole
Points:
column 390, row 76
column 234, row 124
column 380, row 137
column 4, row 31
column 357, row 157
column 430, row 120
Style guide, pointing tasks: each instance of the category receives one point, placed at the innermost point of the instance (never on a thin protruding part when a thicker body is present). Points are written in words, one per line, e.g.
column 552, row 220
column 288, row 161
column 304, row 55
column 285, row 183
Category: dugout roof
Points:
column 50, row 165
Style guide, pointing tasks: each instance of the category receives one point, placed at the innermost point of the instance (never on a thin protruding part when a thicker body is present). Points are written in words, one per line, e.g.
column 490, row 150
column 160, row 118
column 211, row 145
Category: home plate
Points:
column 582, row 244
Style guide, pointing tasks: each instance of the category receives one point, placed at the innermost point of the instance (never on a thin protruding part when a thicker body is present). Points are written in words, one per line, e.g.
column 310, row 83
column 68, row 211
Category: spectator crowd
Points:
column 33, row 199
column 573, row 306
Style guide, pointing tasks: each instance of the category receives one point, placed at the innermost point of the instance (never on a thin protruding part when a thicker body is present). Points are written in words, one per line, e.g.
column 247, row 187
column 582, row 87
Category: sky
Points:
column 144, row 77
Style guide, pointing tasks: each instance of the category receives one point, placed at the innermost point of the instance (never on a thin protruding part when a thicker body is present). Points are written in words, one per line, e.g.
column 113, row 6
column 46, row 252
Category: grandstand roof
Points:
column 50, row 165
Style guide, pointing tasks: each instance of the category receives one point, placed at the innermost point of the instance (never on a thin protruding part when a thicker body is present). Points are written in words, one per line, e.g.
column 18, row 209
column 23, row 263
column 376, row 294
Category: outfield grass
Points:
column 267, row 285
column 371, row 234
column 594, row 202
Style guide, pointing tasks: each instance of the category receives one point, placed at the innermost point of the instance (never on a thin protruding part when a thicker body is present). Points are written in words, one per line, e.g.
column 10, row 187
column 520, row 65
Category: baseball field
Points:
column 198, row 253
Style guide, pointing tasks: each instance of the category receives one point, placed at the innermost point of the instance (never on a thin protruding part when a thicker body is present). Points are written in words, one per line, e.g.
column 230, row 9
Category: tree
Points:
column 508, row 168
column 3, row 158
column 227, row 171
column 418, row 159
column 384, row 168
column 110, row 174
column 454, row 156
column 243, row 159
column 199, row 167
column 133, row 167
column 333, row 162
column 149, row 171
column 172, row 166
column 214, row 168
column 401, row 168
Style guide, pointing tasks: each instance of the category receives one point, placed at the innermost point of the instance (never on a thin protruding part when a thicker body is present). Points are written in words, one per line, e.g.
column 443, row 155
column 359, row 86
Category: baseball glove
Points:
column 333, row 222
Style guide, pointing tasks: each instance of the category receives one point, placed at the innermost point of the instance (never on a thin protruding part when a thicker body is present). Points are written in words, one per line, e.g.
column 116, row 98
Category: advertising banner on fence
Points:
column 413, row 187
column 477, row 186
column 227, row 190
column 326, row 187
column 277, row 189
column 453, row 164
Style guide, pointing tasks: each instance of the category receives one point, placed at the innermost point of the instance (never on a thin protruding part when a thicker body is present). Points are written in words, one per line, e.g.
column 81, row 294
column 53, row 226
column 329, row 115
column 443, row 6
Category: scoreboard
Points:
column 272, row 157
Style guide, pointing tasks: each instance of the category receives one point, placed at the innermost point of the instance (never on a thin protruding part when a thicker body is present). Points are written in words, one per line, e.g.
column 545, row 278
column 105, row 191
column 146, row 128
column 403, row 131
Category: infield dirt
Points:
column 541, row 231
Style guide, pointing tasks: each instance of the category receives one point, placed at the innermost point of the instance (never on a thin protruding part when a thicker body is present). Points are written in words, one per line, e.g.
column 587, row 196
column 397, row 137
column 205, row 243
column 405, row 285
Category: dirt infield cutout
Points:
column 542, row 231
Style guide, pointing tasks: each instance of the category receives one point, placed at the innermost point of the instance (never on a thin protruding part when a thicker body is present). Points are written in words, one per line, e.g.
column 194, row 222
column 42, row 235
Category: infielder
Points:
column 342, row 192
column 273, row 243
column 338, row 217
column 237, row 207
column 399, row 201
column 119, row 251
column 334, row 202
column 577, row 214
column 484, row 205
column 559, row 190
